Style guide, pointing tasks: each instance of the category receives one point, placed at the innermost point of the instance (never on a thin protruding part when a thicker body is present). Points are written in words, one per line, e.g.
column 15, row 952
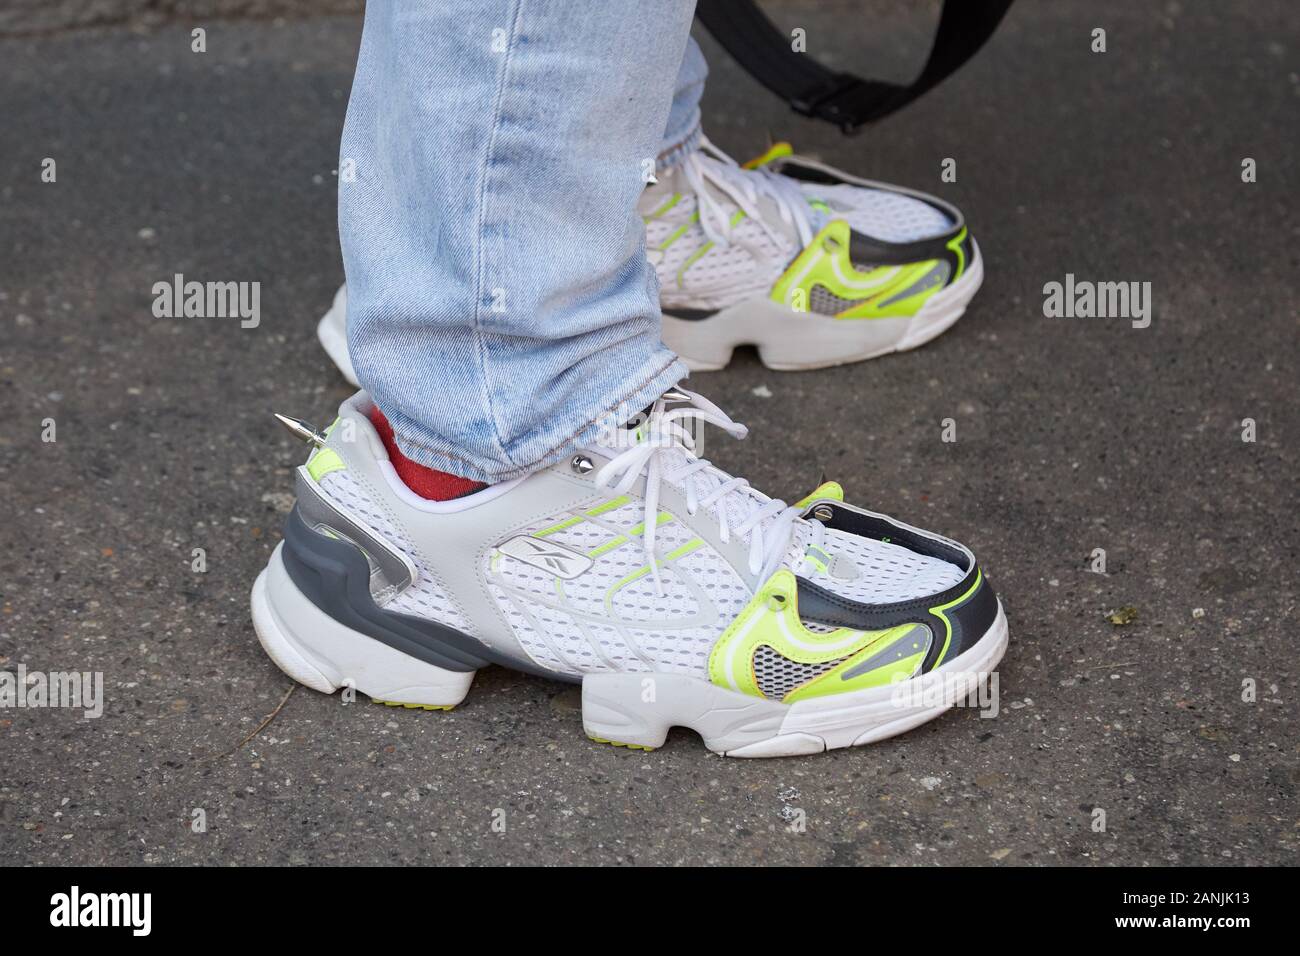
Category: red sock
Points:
column 426, row 482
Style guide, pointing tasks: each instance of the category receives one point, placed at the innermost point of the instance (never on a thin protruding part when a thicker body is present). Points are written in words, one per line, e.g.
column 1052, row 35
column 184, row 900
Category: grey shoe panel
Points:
column 335, row 576
column 451, row 544
column 897, row 651
column 391, row 571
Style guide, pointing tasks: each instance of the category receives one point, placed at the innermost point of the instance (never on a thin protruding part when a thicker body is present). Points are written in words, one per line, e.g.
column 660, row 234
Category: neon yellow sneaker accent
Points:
column 612, row 505
column 826, row 263
column 694, row 258
column 684, row 550
column 680, row 231
column 837, row 679
column 625, row 581
column 700, row 252
column 673, row 200
column 775, row 151
column 772, row 618
column 641, row 572
column 817, row 558
column 609, row 545
column 567, row 523
column 619, row 743
column 619, row 540
column 955, row 246
column 639, row 528
column 939, row 613
column 827, row 489
column 885, row 304
column 322, row 462
column 398, row 703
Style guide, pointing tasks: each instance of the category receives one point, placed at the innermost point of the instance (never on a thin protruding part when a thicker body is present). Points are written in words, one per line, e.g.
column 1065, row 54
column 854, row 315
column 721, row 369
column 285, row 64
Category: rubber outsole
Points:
column 632, row 710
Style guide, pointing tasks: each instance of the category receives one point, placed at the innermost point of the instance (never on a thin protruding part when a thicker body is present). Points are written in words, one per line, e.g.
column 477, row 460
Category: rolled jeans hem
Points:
column 555, row 440
column 672, row 156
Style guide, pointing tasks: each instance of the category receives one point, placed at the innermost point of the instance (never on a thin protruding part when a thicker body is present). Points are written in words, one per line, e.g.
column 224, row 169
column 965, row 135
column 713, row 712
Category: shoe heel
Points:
column 324, row 654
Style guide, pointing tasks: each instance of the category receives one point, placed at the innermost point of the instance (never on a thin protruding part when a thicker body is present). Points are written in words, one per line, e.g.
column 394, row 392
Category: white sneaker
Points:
column 332, row 330
column 813, row 266
column 675, row 593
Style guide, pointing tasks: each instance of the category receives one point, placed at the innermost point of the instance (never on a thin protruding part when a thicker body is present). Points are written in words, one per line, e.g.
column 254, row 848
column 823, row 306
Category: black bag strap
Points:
column 844, row 99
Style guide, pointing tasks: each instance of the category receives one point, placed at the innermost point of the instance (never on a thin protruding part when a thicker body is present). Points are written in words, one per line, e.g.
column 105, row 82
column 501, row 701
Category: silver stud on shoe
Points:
column 823, row 513
column 581, row 464
column 301, row 430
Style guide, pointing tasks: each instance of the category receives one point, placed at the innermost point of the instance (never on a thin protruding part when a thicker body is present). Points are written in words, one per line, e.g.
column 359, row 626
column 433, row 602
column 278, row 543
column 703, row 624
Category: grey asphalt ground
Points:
column 1072, row 435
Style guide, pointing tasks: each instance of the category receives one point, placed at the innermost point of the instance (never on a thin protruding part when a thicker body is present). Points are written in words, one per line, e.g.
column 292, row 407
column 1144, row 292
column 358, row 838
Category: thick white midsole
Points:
column 637, row 709
column 788, row 340
column 316, row 650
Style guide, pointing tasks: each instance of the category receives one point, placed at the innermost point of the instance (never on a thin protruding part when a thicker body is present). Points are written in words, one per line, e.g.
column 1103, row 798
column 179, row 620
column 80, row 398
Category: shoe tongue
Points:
column 798, row 543
column 735, row 506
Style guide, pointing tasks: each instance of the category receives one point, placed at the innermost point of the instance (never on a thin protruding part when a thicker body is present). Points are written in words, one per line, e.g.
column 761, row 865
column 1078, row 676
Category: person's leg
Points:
column 682, row 134
column 681, row 137
column 634, row 562
column 500, row 302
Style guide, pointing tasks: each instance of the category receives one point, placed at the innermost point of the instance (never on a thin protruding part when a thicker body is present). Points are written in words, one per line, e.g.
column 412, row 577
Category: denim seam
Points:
column 480, row 346
column 522, row 469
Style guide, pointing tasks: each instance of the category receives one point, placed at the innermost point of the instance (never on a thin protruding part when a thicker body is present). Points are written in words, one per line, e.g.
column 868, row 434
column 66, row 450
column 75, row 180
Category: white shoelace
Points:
column 709, row 168
column 768, row 522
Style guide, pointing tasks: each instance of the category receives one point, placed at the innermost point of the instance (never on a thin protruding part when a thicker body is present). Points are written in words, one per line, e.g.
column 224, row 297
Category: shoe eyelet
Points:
column 581, row 464
column 823, row 513
column 776, row 603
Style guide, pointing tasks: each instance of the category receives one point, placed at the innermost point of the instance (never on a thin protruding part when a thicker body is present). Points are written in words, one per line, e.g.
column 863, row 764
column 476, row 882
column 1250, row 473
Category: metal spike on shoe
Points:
column 301, row 430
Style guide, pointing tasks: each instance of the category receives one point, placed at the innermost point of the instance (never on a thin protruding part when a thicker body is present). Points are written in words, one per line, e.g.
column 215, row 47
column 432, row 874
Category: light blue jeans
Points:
column 500, row 305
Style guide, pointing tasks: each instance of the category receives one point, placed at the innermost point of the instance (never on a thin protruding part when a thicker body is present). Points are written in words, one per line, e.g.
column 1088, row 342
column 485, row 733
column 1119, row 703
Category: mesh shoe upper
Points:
column 622, row 614
column 881, row 214
column 710, row 267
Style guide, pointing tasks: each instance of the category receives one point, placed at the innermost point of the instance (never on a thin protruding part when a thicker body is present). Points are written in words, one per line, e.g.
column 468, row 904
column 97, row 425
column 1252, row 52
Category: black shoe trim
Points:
column 866, row 252
column 969, row 620
column 880, row 528
column 690, row 315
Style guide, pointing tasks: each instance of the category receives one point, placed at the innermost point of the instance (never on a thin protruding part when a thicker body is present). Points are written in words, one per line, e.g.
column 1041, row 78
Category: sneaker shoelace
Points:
column 709, row 171
column 663, row 449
